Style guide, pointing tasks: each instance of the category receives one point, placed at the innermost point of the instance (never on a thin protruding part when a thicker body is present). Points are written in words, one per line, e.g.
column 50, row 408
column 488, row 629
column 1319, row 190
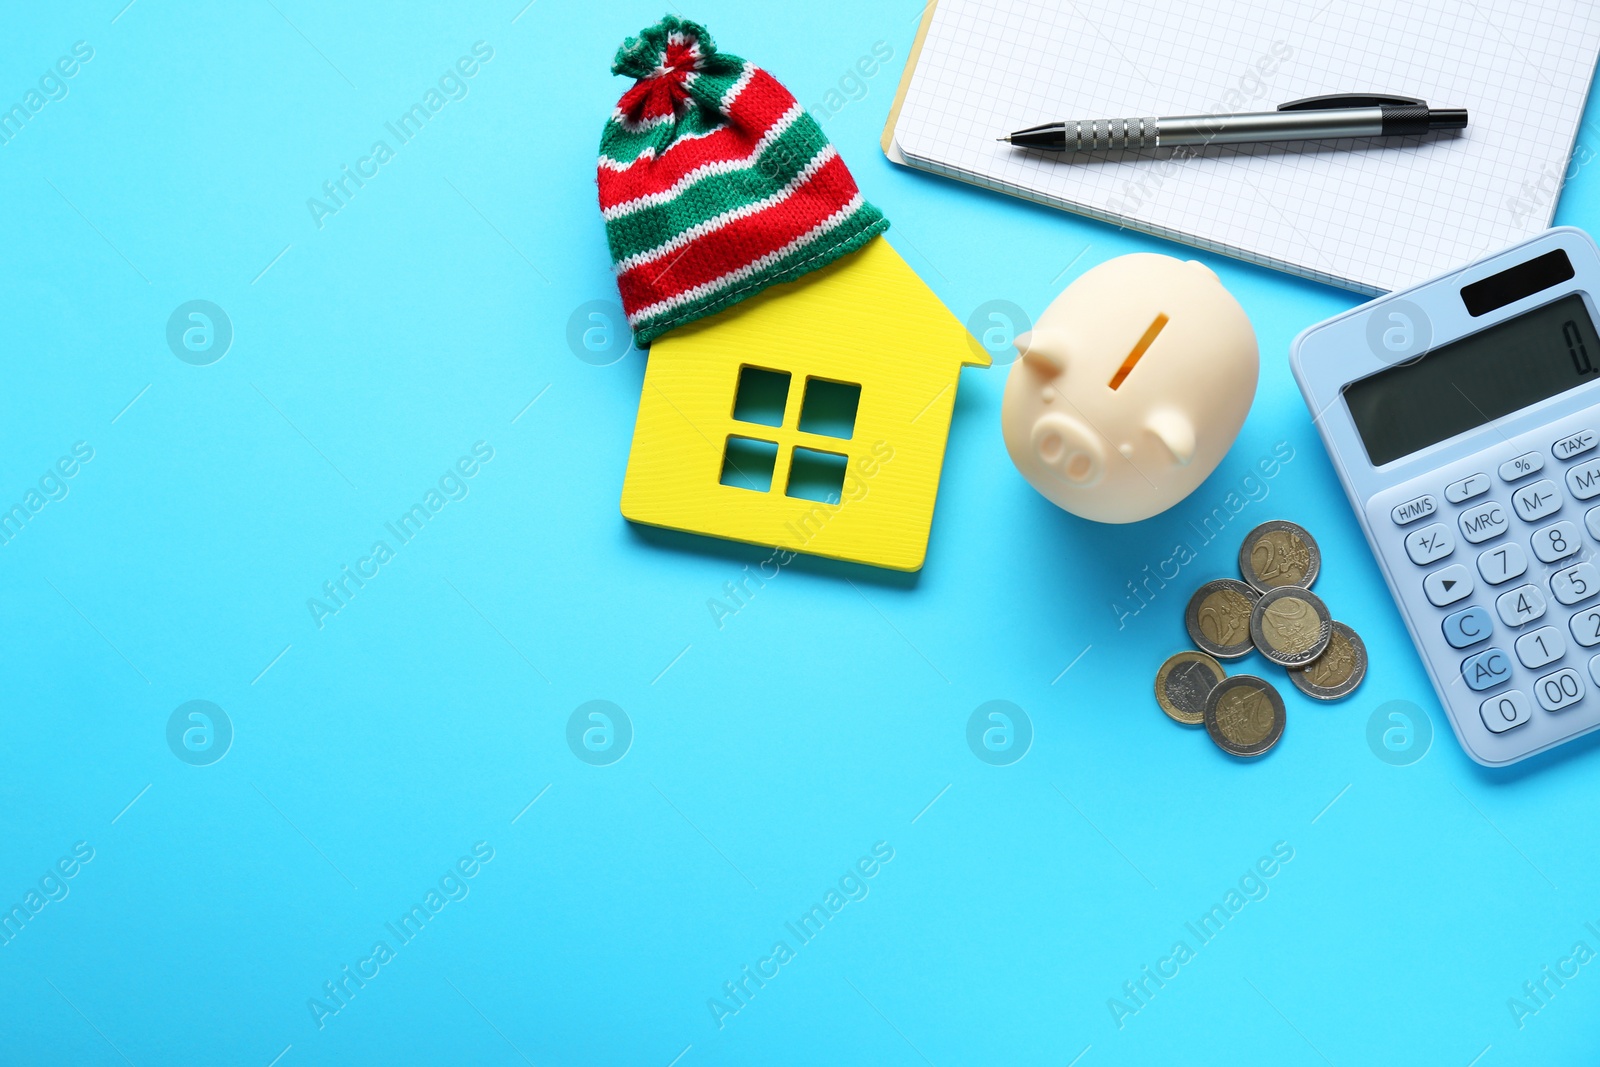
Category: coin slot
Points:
column 1139, row 350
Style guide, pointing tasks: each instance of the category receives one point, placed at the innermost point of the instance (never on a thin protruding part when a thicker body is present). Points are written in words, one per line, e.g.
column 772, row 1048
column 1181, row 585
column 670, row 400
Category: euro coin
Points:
column 1291, row 626
column 1244, row 715
column 1279, row 553
column 1338, row 670
column 1184, row 682
column 1218, row 617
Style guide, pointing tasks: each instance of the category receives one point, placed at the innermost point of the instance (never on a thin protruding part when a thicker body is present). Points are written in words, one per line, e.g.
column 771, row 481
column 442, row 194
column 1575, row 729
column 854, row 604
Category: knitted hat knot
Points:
column 666, row 60
column 714, row 182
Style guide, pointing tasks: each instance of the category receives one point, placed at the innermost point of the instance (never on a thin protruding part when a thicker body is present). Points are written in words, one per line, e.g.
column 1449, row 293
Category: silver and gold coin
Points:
column 1338, row 670
column 1244, row 715
column 1279, row 553
column 1291, row 626
column 1218, row 617
column 1184, row 682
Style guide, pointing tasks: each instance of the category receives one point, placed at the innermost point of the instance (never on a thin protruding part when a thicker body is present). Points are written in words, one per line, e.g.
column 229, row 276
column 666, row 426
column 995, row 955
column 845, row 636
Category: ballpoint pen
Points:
column 1313, row 119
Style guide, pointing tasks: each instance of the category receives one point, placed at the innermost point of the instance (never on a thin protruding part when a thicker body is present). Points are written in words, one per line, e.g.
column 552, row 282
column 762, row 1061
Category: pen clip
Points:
column 1336, row 100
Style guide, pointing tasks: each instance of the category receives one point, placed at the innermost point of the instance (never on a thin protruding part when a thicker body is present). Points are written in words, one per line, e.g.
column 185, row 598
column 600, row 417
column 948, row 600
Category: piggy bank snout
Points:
column 1068, row 449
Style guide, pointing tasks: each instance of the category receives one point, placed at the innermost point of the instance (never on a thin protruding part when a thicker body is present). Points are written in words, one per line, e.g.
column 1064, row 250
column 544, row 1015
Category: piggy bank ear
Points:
column 1043, row 351
column 1175, row 431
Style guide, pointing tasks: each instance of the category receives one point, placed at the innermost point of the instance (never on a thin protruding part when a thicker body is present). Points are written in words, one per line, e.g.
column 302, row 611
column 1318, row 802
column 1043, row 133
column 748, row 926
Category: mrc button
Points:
column 1412, row 510
column 1575, row 445
column 1480, row 523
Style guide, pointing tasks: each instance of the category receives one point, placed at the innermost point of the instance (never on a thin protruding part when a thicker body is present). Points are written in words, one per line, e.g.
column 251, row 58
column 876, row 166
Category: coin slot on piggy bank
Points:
column 1131, row 388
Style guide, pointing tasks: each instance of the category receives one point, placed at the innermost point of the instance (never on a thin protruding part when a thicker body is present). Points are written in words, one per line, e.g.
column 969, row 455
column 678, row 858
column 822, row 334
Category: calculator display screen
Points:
column 1473, row 381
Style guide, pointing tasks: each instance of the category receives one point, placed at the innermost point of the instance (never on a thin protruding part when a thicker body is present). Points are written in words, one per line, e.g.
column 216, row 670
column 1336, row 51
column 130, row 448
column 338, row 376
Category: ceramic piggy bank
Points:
column 1131, row 387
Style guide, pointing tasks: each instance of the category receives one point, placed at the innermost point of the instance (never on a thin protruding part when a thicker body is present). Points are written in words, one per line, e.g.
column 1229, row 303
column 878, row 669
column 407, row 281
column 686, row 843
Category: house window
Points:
column 761, row 396
column 805, row 458
column 748, row 463
column 830, row 408
column 815, row 475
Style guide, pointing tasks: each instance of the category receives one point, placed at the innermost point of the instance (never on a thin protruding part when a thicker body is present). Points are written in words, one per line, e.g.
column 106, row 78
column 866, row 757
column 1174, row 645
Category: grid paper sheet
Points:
column 1371, row 215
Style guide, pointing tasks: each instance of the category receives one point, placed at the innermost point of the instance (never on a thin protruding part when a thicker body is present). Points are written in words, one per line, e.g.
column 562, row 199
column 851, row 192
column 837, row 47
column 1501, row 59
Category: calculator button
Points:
column 1480, row 523
column 1502, row 564
column 1576, row 445
column 1534, row 502
column 1412, row 510
column 1591, row 519
column 1429, row 544
column 1577, row 582
column 1585, row 627
column 1505, row 710
column 1556, row 541
column 1538, row 648
column 1524, row 465
column 1584, row 479
column 1559, row 690
column 1467, row 488
column 1594, row 669
column 1447, row 585
column 1466, row 628
column 1487, row 669
column 1520, row 605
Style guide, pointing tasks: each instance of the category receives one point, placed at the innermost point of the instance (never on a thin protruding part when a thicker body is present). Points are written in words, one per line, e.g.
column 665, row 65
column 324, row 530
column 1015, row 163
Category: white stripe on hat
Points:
column 706, row 170
column 717, row 222
column 749, row 270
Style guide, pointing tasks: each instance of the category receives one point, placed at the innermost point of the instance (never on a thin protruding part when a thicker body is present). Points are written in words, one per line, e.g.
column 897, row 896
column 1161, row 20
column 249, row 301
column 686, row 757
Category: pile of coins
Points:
column 1274, row 612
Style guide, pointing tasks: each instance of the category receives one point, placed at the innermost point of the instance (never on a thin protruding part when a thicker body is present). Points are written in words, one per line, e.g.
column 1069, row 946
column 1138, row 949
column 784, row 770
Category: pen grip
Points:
column 1088, row 135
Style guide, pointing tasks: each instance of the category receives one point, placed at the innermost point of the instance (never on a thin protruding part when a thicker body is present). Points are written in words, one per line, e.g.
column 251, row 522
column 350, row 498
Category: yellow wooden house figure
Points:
column 812, row 416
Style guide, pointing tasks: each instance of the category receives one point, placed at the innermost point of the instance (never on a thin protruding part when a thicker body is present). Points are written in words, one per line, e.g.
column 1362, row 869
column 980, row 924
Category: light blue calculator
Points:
column 1463, row 417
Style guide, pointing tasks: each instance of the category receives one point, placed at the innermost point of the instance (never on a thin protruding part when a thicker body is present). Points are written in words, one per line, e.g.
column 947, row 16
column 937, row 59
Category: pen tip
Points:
column 1002, row 139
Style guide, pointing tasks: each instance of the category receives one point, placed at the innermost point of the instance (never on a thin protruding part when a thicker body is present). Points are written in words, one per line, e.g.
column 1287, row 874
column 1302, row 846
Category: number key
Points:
column 1534, row 502
column 1556, row 541
column 1540, row 647
column 1504, row 563
column 1576, row 583
column 1501, row 713
column 1559, row 690
column 1520, row 605
column 1585, row 627
column 1429, row 544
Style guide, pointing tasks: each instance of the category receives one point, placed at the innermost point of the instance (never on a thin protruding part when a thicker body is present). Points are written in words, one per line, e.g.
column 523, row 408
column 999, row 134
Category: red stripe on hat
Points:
column 742, row 242
column 763, row 102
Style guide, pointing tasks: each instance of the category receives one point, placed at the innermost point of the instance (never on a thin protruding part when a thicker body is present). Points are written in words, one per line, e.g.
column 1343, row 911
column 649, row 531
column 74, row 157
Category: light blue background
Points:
column 768, row 755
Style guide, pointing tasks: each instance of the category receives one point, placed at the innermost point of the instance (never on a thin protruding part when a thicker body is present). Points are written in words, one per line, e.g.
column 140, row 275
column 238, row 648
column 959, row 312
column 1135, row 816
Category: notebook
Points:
column 1370, row 215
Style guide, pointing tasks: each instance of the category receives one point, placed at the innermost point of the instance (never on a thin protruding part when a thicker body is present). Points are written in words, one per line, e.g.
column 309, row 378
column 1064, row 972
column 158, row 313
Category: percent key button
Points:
column 1522, row 466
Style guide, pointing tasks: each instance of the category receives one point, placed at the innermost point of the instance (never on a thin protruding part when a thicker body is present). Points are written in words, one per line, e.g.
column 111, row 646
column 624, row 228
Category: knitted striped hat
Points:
column 715, row 183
